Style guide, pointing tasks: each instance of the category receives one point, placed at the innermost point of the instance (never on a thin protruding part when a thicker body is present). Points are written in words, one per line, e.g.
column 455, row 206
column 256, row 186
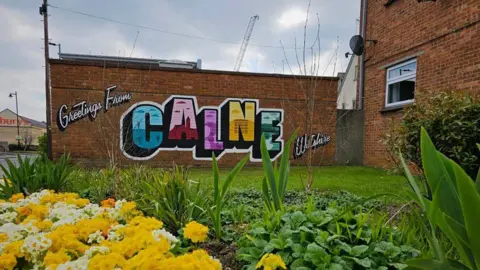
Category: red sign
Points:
column 13, row 122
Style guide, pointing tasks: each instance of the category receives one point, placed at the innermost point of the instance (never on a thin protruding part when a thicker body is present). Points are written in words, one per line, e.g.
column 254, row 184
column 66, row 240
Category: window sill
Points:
column 393, row 108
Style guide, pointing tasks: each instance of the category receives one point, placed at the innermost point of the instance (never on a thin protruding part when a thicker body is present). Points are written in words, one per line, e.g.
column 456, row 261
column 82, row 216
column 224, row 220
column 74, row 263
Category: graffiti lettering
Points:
column 178, row 124
column 302, row 143
column 84, row 109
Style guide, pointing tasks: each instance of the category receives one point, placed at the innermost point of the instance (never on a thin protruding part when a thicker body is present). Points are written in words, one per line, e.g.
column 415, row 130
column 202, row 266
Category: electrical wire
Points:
column 166, row 31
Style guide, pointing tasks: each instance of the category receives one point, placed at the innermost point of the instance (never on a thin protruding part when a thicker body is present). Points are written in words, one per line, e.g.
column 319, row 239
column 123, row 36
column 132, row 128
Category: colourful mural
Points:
column 235, row 126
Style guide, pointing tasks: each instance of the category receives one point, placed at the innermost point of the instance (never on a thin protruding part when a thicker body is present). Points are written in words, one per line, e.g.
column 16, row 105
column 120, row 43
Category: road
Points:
column 13, row 157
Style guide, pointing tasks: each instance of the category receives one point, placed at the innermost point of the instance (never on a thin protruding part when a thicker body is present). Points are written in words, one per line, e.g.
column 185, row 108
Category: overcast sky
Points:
column 21, row 44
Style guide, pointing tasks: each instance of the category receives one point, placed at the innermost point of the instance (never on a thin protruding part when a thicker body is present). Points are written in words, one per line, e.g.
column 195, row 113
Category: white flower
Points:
column 95, row 237
column 35, row 245
column 113, row 235
column 78, row 264
column 172, row 240
column 8, row 217
column 89, row 253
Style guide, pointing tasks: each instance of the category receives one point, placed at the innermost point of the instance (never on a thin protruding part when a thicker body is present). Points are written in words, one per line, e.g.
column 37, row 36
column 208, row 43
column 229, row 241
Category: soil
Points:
column 225, row 253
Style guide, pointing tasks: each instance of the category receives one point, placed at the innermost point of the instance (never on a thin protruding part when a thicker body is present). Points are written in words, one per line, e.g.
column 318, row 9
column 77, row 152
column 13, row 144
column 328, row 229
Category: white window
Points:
column 401, row 83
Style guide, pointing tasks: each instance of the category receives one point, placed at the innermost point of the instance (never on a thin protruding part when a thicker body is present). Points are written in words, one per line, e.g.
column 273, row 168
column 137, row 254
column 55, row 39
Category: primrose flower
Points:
column 270, row 262
column 195, row 231
column 108, row 203
column 49, row 230
column 16, row 197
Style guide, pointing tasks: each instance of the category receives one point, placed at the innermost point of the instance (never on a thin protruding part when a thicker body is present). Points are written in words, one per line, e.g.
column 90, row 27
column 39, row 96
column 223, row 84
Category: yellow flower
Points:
column 270, row 262
column 127, row 207
column 16, row 197
column 38, row 211
column 195, row 232
column 3, row 237
column 108, row 203
column 147, row 223
column 7, row 261
column 14, row 249
column 106, row 262
column 52, row 260
column 24, row 211
column 86, row 227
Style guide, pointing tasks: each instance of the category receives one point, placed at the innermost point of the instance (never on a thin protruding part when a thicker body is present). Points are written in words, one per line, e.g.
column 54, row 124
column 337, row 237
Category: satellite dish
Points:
column 357, row 44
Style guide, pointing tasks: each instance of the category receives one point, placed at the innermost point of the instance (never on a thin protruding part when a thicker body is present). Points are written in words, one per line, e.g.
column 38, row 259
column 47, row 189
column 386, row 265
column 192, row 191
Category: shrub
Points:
column 453, row 122
column 316, row 240
column 42, row 143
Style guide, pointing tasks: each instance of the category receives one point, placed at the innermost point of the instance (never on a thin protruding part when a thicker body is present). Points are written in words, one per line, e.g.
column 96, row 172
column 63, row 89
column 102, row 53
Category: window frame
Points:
column 400, row 79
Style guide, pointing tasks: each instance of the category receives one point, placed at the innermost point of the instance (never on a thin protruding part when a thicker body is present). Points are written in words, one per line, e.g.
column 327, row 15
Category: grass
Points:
column 362, row 181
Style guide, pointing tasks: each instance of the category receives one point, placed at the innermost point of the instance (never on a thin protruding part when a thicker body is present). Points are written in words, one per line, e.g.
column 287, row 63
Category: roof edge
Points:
column 117, row 64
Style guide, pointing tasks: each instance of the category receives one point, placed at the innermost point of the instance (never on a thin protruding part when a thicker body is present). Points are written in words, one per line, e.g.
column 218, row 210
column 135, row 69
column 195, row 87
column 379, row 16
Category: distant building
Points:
column 347, row 86
column 29, row 129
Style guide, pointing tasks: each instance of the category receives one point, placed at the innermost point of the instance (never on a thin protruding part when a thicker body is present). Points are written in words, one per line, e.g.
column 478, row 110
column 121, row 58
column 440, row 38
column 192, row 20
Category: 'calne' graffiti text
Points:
column 235, row 126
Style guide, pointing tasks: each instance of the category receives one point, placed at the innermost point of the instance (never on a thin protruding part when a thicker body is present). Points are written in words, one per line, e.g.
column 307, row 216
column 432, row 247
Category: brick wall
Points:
column 444, row 37
column 95, row 143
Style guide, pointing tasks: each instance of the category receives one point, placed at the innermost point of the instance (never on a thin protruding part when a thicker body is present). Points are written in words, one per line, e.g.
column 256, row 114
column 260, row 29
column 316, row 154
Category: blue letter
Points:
column 145, row 119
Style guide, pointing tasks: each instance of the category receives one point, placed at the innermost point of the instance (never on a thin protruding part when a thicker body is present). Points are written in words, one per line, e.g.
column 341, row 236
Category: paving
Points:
column 13, row 157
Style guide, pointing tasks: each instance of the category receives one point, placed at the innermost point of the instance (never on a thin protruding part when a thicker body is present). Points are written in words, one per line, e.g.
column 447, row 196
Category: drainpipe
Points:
column 362, row 57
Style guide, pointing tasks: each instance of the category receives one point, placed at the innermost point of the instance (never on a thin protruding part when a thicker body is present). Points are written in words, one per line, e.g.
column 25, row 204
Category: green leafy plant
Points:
column 54, row 176
column 220, row 194
column 30, row 175
column 318, row 240
column 275, row 180
column 18, row 178
column 454, row 208
column 42, row 143
column 452, row 121
column 170, row 196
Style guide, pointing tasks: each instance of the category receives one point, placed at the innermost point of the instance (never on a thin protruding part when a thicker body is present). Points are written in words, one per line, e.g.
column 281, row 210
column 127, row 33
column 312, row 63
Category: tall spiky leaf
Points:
column 269, row 173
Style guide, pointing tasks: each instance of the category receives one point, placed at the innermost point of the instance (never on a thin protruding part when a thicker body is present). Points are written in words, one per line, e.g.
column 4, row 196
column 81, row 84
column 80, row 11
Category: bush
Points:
column 43, row 143
column 453, row 122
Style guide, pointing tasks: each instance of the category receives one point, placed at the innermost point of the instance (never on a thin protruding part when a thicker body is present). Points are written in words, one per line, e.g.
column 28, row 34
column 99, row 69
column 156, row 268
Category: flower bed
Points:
column 48, row 230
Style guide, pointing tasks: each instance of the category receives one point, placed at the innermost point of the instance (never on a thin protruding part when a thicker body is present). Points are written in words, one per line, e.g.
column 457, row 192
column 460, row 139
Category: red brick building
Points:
column 130, row 111
column 420, row 46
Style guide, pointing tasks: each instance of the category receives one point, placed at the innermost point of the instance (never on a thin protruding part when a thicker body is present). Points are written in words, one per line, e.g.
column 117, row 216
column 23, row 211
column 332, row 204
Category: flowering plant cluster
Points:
column 49, row 230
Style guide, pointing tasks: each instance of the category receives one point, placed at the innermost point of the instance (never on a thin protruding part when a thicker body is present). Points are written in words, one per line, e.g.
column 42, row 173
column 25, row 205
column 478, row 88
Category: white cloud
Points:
column 291, row 18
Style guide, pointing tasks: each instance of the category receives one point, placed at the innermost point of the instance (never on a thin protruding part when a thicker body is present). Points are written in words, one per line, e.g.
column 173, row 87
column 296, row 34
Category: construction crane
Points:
column 244, row 46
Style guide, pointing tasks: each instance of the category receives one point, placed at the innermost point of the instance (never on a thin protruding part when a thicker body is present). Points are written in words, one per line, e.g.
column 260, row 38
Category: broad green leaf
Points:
column 470, row 203
column 315, row 254
column 437, row 175
column 398, row 265
column 358, row 250
column 365, row 262
column 429, row 264
column 298, row 250
column 269, row 173
column 477, row 181
column 335, row 266
column 457, row 228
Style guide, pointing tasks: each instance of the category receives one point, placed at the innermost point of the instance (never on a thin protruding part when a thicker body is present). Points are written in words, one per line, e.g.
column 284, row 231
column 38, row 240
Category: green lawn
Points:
column 362, row 181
